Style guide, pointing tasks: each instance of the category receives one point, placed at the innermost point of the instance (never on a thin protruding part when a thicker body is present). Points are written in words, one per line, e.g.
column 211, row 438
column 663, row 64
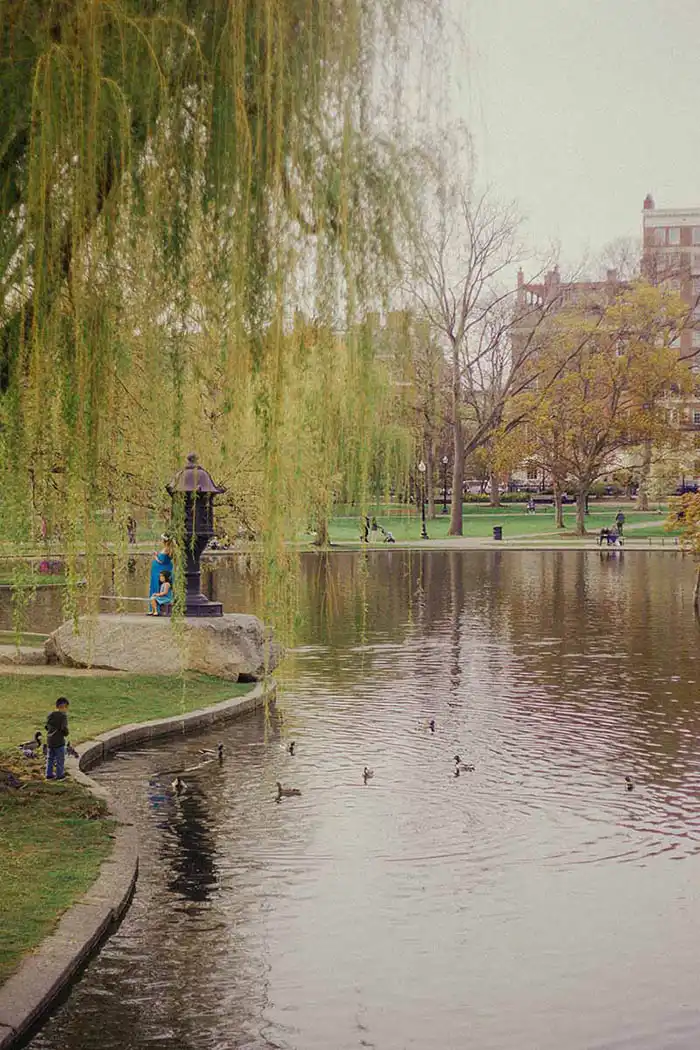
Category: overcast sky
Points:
column 578, row 108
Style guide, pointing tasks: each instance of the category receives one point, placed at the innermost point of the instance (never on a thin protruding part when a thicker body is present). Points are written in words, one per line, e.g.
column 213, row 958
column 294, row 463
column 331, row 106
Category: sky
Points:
column 579, row 108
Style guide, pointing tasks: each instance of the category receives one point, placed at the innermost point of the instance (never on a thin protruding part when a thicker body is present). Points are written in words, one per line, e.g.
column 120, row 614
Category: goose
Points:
column 463, row 767
column 291, row 747
column 367, row 774
column 30, row 747
column 283, row 792
column 178, row 785
column 629, row 783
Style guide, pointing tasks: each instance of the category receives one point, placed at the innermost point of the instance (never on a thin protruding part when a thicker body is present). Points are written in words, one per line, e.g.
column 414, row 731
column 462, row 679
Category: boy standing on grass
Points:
column 56, row 736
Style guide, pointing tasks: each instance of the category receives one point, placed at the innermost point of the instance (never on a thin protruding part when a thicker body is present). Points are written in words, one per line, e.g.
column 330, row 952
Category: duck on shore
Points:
column 31, row 748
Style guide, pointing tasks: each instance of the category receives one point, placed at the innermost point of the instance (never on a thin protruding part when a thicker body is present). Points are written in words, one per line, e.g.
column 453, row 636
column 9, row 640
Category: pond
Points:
column 532, row 904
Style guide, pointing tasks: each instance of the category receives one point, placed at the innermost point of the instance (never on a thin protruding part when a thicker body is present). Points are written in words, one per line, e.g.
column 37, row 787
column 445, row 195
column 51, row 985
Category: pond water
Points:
column 533, row 904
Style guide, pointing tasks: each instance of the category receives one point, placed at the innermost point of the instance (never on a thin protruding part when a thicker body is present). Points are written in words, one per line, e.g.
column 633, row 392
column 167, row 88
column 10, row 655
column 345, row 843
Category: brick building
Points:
column 671, row 256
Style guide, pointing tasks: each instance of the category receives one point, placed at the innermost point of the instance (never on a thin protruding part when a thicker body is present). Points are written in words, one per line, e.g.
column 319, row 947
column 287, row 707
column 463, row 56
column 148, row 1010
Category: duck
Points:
column 179, row 786
column 30, row 747
column 463, row 767
column 367, row 774
column 210, row 753
column 283, row 792
column 629, row 783
column 291, row 747
column 431, row 724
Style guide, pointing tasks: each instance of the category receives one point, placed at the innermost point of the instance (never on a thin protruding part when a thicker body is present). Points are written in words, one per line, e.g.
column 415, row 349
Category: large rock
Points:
column 235, row 646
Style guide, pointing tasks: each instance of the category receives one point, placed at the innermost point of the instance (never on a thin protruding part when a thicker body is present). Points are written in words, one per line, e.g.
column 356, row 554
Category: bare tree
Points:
column 458, row 273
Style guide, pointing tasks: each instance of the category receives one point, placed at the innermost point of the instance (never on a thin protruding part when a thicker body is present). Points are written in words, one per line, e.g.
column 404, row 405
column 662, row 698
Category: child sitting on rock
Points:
column 163, row 597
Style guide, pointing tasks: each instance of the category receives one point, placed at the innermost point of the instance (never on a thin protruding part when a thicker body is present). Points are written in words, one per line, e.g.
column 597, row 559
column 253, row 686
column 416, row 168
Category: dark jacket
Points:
column 56, row 729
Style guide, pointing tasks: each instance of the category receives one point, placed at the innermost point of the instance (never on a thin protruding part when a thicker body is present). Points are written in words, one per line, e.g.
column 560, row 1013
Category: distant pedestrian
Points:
column 620, row 522
column 56, row 737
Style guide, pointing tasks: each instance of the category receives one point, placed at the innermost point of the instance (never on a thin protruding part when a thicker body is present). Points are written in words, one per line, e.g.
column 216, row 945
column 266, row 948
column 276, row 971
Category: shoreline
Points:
column 28, row 996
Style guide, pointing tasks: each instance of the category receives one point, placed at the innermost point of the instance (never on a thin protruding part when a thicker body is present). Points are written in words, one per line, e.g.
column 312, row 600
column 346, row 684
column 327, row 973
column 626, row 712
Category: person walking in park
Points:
column 56, row 737
column 620, row 522
column 164, row 596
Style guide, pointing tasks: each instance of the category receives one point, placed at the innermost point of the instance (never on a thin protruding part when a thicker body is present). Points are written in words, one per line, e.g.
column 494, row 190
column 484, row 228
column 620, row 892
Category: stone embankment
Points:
column 30, row 993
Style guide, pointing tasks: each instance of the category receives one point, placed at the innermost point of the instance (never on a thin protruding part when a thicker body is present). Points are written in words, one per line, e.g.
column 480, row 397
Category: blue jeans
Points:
column 55, row 760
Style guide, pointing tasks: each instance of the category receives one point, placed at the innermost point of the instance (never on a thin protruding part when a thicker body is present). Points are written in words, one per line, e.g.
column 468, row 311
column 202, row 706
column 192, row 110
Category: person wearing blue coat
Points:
column 162, row 562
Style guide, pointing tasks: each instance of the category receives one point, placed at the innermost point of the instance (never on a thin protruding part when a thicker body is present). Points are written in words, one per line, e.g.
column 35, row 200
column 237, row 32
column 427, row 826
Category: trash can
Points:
column 498, row 532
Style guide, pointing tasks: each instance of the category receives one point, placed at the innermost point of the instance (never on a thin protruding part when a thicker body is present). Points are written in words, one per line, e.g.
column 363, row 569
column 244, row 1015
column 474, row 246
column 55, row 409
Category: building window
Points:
column 675, row 343
column 674, row 235
column 696, row 338
column 696, row 234
column 696, row 418
column 660, row 235
column 696, row 286
column 531, row 472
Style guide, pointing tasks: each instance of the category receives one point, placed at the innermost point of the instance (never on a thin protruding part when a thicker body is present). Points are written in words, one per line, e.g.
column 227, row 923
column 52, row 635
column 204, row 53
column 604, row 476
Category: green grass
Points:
column 27, row 638
column 479, row 521
column 53, row 837
column 101, row 703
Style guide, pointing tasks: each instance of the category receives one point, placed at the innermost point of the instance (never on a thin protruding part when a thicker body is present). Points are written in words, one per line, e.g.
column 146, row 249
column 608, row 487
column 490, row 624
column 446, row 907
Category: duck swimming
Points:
column 367, row 774
column 291, row 747
column 629, row 783
column 431, row 724
column 462, row 767
column 283, row 792
column 210, row 753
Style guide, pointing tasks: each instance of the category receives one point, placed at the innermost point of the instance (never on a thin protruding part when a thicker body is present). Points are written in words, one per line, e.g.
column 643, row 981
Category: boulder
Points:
column 235, row 646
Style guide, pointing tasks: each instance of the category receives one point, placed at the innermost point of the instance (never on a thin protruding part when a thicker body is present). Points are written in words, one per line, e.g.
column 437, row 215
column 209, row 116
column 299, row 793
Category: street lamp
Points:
column 423, row 530
column 192, row 491
column 444, row 484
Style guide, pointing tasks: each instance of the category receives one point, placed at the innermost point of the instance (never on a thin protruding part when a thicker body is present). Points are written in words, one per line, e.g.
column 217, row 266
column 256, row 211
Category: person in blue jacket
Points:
column 162, row 562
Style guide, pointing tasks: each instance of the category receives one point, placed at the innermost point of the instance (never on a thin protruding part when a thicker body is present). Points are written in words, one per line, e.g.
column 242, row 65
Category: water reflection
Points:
column 532, row 903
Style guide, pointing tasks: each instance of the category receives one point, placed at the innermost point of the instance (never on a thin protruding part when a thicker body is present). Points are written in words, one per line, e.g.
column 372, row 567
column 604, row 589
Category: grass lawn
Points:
column 479, row 520
column 54, row 836
column 27, row 638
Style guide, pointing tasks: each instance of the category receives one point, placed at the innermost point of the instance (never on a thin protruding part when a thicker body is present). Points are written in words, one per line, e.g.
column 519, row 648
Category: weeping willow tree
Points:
column 176, row 179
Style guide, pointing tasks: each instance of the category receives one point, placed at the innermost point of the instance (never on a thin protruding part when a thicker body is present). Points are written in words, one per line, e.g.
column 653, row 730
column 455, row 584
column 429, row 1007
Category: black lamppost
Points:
column 192, row 491
column 423, row 530
column 444, row 484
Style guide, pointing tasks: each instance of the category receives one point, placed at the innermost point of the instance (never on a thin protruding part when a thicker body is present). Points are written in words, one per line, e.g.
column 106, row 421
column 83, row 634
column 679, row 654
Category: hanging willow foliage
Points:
column 177, row 178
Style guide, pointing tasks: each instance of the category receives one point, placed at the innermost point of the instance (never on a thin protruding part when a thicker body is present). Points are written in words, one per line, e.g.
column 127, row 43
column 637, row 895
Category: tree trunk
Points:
column 581, row 497
column 322, row 538
column 456, row 527
column 643, row 494
column 430, row 480
column 494, row 490
column 558, row 507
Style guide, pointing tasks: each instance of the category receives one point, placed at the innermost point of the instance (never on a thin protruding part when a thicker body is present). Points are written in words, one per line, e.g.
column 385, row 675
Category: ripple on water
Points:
column 423, row 909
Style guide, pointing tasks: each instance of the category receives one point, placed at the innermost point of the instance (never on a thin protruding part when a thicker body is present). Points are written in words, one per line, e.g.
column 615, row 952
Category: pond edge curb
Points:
column 29, row 994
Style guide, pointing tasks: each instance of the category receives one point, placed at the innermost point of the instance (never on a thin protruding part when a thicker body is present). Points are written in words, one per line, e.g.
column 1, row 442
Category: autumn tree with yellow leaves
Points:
column 609, row 365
